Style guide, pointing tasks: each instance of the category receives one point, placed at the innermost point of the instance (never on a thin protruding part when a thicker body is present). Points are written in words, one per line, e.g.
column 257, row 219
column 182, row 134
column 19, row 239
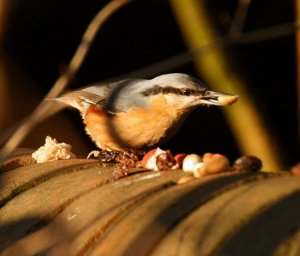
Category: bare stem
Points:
column 239, row 19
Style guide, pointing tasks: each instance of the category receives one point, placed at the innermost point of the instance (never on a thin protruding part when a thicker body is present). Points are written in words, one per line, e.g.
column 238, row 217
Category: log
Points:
column 78, row 207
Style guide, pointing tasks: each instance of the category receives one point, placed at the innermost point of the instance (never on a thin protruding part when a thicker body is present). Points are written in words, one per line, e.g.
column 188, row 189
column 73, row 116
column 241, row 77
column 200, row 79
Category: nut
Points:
column 150, row 159
column 179, row 159
column 213, row 163
column 165, row 161
column 247, row 163
column 189, row 162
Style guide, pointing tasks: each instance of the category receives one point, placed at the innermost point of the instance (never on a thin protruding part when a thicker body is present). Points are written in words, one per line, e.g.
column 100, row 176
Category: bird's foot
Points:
column 104, row 156
column 94, row 154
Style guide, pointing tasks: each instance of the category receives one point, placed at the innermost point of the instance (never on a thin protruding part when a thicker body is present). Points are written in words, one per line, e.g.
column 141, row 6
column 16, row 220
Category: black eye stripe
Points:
column 171, row 90
column 187, row 92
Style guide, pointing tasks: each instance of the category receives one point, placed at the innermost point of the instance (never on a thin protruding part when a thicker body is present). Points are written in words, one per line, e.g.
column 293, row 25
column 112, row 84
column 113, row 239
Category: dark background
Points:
column 42, row 36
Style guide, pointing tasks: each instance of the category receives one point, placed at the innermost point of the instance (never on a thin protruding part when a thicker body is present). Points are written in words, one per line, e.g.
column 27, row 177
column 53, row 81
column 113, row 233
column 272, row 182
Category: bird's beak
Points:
column 218, row 98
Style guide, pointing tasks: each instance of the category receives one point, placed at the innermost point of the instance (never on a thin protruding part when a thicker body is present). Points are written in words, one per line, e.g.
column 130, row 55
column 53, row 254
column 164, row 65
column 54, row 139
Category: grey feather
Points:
column 95, row 94
column 113, row 97
column 127, row 94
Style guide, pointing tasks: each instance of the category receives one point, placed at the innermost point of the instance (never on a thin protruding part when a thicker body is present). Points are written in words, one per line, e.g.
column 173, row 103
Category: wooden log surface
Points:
column 77, row 207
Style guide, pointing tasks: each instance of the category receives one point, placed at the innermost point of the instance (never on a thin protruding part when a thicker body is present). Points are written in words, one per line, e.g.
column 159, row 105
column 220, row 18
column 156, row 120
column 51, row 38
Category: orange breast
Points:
column 136, row 128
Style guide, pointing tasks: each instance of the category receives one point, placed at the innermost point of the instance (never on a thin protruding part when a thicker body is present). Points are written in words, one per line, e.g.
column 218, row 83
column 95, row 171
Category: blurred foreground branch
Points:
column 245, row 121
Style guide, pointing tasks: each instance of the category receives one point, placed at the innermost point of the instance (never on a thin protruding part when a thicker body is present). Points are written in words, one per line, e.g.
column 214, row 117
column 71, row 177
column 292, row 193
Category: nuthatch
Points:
column 138, row 113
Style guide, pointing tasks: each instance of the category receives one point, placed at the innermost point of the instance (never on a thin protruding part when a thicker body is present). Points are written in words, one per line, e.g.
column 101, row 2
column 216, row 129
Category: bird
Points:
column 140, row 113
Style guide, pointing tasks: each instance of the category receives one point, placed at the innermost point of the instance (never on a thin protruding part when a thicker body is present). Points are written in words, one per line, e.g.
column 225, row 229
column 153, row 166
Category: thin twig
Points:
column 62, row 82
column 269, row 33
column 239, row 19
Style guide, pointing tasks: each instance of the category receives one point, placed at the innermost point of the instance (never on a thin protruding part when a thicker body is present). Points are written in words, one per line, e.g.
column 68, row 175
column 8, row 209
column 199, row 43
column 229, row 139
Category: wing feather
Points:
column 114, row 97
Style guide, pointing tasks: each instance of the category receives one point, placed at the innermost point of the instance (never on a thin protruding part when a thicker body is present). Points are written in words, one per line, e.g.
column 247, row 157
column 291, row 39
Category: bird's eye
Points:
column 186, row 92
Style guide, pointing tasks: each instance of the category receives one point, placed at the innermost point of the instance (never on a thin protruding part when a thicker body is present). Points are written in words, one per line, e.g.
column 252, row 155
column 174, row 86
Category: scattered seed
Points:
column 179, row 159
column 215, row 164
column 247, row 163
column 150, row 159
column 188, row 164
column 165, row 161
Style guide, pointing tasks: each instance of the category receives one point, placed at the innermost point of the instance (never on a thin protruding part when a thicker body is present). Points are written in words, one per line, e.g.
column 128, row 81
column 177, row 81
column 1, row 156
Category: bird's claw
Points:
column 94, row 154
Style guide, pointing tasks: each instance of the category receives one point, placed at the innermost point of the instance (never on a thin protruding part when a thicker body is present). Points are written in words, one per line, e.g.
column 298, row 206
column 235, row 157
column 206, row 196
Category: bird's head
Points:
column 185, row 91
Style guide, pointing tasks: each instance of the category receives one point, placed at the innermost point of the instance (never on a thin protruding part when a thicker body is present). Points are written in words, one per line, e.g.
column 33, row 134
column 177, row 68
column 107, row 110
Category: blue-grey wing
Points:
column 126, row 94
column 114, row 97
